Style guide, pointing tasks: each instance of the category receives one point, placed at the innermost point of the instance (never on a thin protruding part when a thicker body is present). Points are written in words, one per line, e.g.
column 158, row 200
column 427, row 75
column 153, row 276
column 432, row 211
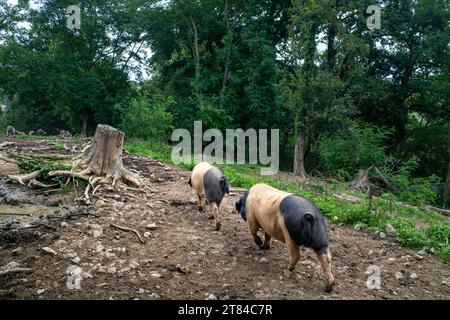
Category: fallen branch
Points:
column 128, row 229
column 348, row 198
column 439, row 210
column 7, row 144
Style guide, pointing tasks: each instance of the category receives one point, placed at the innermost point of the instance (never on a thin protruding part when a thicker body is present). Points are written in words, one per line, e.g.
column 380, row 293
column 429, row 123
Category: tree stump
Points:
column 103, row 158
column 101, row 162
column 361, row 182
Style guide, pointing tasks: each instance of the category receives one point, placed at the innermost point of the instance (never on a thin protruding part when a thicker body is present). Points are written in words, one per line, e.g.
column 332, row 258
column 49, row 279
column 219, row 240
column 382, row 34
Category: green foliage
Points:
column 45, row 166
column 358, row 147
column 146, row 116
column 417, row 191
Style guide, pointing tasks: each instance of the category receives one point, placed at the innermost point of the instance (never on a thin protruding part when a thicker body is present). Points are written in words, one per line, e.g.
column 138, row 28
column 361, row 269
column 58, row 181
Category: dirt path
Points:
column 183, row 258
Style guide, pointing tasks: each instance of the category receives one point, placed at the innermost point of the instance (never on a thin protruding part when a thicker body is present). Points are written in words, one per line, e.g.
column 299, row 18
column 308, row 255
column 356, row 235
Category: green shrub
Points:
column 146, row 117
column 358, row 147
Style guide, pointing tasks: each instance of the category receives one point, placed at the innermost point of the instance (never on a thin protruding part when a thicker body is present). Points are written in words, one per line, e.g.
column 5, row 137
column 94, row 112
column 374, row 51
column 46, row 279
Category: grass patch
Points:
column 374, row 216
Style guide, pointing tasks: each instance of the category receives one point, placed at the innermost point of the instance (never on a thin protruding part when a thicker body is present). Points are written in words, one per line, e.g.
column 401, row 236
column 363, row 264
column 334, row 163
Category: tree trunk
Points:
column 299, row 157
column 446, row 194
column 103, row 158
column 84, row 130
column 361, row 182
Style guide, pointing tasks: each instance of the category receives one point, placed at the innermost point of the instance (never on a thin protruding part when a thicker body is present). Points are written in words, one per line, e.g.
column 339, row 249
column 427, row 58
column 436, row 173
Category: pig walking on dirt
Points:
column 10, row 131
column 290, row 219
column 210, row 184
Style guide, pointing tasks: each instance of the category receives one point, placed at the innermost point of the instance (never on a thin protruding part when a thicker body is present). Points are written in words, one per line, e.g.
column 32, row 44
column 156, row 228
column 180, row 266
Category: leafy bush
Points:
column 146, row 117
column 416, row 191
column 358, row 147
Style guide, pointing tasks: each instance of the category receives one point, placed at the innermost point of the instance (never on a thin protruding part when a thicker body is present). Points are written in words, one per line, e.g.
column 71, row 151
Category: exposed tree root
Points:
column 23, row 179
column 6, row 159
column 35, row 183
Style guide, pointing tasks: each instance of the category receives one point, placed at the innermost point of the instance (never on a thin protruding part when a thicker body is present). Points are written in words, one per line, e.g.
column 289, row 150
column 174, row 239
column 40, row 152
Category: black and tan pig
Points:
column 290, row 219
column 211, row 185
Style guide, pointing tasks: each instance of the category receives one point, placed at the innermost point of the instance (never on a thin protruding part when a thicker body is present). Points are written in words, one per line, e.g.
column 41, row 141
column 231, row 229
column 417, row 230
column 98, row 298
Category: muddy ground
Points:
column 182, row 257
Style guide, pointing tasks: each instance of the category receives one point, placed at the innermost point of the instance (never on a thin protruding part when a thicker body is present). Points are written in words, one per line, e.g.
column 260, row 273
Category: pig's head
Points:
column 241, row 206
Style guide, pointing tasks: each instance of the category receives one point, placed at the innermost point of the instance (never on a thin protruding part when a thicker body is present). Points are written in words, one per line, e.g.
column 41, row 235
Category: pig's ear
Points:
column 310, row 217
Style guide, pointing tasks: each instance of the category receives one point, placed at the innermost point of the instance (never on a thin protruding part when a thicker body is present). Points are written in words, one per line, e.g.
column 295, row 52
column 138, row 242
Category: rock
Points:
column 16, row 251
column 49, row 250
column 64, row 224
column 155, row 274
column 370, row 252
column 404, row 258
column 418, row 257
column 287, row 273
column 154, row 296
column 76, row 260
column 151, row 226
column 211, row 297
column 118, row 204
column 398, row 275
column 390, row 230
column 141, row 291
column 147, row 234
column 70, row 255
column 413, row 275
column 97, row 230
column 109, row 254
column 60, row 243
column 263, row 259
column 182, row 269
column 446, row 282
column 97, row 233
column 421, row 252
column 134, row 264
column 41, row 291
column 124, row 270
column 358, row 227
column 382, row 235
column 111, row 270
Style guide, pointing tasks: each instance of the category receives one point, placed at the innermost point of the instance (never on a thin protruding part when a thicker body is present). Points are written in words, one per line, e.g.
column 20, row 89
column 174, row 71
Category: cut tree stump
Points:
column 103, row 157
column 361, row 182
column 101, row 162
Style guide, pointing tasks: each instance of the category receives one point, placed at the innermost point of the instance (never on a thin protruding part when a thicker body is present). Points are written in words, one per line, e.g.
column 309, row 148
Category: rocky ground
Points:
column 82, row 256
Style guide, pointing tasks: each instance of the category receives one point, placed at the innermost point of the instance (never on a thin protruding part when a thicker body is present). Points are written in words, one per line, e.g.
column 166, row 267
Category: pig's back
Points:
column 263, row 204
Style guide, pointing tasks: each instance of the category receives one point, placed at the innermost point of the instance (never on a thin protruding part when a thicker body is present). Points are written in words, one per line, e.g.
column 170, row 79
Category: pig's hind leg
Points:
column 267, row 241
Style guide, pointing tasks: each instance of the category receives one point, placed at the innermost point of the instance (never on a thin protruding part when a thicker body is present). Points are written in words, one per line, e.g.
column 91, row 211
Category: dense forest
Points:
column 347, row 99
